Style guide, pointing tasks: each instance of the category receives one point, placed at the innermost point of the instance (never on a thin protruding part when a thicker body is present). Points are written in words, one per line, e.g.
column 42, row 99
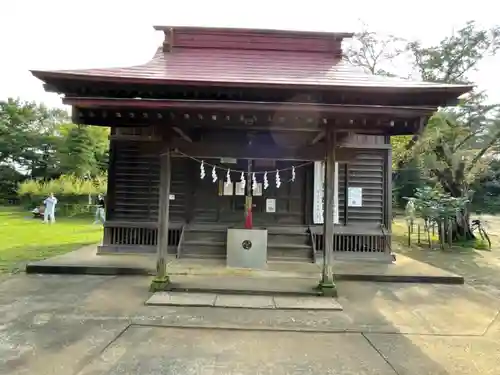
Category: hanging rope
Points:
column 214, row 167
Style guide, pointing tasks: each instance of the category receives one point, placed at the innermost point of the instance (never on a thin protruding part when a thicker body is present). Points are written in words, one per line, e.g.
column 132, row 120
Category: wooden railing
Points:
column 138, row 237
column 355, row 240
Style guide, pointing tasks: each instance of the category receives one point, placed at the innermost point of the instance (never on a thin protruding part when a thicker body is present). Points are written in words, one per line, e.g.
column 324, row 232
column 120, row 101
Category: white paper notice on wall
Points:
column 319, row 186
column 270, row 205
column 355, row 197
column 239, row 189
column 171, row 197
column 257, row 192
column 228, row 188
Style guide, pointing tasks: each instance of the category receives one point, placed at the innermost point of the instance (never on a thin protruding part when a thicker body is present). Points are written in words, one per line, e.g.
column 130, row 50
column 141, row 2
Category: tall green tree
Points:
column 26, row 131
column 83, row 149
column 458, row 143
column 41, row 142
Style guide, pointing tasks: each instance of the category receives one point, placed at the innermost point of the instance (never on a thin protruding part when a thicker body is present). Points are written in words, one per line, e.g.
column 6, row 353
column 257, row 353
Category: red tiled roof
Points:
column 243, row 57
column 245, row 67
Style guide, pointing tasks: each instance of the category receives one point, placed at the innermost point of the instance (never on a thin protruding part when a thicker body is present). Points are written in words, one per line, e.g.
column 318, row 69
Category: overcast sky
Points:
column 57, row 34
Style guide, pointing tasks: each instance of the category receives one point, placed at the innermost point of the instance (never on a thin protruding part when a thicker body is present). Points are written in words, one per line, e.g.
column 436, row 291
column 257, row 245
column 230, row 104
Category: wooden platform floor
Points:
column 86, row 261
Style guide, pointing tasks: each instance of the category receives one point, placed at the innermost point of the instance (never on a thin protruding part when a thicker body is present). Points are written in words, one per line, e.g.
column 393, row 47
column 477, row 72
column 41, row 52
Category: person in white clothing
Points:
column 100, row 212
column 50, row 209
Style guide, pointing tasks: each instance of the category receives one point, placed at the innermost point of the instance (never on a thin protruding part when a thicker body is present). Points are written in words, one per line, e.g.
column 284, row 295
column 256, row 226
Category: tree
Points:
column 458, row 142
column 9, row 180
column 456, row 56
column 26, row 129
column 83, row 149
column 486, row 190
column 376, row 53
column 27, row 136
column 41, row 142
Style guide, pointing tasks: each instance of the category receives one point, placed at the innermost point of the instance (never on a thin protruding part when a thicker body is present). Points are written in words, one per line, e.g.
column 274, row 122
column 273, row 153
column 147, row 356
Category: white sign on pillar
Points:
column 319, row 192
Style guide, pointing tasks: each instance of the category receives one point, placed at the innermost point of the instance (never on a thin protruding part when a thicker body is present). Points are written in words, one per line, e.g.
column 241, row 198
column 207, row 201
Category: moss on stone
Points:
column 160, row 284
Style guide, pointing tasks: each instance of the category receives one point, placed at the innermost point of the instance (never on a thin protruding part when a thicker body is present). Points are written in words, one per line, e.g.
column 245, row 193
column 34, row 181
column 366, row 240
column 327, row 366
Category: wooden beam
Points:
column 243, row 151
column 135, row 138
column 318, row 138
column 245, row 120
column 327, row 282
column 388, row 190
column 182, row 134
column 163, row 216
column 111, row 184
column 288, row 107
column 346, row 193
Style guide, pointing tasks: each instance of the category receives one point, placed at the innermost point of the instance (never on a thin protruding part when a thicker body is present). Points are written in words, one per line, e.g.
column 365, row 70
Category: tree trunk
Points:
column 461, row 225
column 461, row 228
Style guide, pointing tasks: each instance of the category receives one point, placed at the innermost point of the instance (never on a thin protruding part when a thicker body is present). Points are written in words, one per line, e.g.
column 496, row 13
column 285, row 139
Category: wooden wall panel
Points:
column 136, row 177
column 367, row 172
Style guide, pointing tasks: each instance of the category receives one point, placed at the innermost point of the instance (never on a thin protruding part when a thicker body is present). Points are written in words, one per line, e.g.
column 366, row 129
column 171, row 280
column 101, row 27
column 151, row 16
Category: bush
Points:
column 72, row 192
column 480, row 244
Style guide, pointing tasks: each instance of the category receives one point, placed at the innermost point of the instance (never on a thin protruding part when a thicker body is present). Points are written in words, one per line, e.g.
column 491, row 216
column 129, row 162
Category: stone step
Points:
column 198, row 255
column 203, row 249
column 289, row 259
column 205, row 235
column 292, row 253
column 290, row 246
column 294, row 238
column 201, row 243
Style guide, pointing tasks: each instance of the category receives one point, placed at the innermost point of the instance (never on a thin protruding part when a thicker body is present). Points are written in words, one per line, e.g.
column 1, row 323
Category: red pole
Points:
column 248, row 219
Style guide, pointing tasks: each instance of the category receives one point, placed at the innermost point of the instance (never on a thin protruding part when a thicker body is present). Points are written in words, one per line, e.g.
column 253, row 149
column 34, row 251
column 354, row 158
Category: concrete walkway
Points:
column 86, row 261
column 99, row 325
column 243, row 301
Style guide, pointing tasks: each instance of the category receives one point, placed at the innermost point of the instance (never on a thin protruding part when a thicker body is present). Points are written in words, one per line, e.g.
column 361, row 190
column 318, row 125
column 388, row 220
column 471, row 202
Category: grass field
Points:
column 489, row 222
column 23, row 239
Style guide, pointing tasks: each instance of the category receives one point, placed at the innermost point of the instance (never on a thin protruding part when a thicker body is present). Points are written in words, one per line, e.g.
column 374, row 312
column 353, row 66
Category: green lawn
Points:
column 23, row 239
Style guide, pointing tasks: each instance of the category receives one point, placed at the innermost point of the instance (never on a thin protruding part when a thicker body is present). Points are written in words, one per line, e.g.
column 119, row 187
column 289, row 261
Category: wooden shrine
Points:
column 249, row 101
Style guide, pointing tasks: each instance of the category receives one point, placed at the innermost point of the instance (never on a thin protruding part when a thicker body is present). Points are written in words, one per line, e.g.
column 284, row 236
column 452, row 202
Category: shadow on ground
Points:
column 479, row 268
column 55, row 324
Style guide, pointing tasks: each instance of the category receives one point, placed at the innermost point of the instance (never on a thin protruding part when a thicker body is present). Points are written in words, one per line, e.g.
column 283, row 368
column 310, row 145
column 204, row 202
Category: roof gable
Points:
column 252, row 39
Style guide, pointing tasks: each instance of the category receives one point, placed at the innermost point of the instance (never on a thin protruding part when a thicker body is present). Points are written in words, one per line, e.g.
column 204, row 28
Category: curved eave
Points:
column 451, row 91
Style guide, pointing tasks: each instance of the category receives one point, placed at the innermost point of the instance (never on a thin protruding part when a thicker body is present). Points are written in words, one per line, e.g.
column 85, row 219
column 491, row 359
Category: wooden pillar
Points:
column 327, row 285
column 161, row 281
column 346, row 193
column 388, row 192
column 388, row 202
column 111, row 187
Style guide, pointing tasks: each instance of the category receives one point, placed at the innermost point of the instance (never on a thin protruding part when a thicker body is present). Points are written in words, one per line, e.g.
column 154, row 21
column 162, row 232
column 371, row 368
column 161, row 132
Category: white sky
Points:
column 58, row 34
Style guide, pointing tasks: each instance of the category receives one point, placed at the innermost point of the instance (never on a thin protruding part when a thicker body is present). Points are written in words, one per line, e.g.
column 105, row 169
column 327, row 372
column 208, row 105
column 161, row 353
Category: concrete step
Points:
column 289, row 259
column 198, row 255
column 193, row 243
column 290, row 246
column 205, row 235
column 295, row 254
column 203, row 249
column 295, row 238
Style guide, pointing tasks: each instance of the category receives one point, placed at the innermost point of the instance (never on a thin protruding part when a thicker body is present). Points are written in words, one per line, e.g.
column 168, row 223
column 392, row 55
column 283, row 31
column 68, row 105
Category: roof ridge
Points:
column 267, row 31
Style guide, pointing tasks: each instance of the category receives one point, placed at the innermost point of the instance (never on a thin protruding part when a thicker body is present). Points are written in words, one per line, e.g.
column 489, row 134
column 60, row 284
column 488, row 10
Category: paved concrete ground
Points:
column 54, row 324
column 243, row 301
column 87, row 258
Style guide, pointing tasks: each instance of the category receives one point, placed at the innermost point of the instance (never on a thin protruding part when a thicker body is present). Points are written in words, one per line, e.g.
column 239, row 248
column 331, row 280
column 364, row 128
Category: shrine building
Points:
column 225, row 123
